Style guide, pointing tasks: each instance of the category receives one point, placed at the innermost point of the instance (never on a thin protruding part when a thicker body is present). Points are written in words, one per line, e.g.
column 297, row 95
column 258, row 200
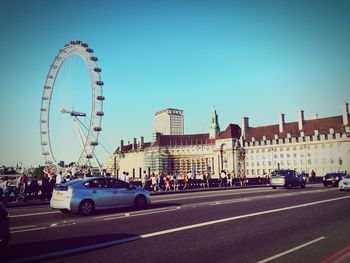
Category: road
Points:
column 237, row 225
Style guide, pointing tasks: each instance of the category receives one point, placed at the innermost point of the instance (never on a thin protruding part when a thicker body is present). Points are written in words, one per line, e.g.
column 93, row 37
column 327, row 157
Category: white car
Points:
column 344, row 183
column 87, row 195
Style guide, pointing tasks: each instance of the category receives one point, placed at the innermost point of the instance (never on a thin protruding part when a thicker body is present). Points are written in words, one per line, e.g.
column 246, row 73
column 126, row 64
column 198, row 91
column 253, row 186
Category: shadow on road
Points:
column 132, row 209
column 56, row 248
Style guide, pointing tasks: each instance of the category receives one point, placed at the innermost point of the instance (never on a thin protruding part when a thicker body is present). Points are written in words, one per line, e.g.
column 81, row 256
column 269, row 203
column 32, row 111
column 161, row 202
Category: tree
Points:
column 39, row 172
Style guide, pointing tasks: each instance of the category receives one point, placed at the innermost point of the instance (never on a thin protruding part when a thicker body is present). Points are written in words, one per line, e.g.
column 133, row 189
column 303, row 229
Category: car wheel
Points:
column 274, row 187
column 302, row 185
column 325, row 185
column 5, row 241
column 87, row 208
column 65, row 211
column 140, row 202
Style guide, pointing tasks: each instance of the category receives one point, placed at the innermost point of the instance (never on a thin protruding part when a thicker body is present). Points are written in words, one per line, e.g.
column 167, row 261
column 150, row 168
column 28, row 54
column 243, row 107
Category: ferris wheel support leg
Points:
column 82, row 138
column 81, row 134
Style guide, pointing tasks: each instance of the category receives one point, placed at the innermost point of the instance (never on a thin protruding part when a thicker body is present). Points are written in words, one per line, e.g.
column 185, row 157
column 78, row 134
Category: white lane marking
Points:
column 168, row 231
column 54, row 224
column 41, row 228
column 20, row 227
column 143, row 214
column 29, row 230
column 291, row 250
column 253, row 191
column 133, row 213
column 34, row 214
column 204, row 196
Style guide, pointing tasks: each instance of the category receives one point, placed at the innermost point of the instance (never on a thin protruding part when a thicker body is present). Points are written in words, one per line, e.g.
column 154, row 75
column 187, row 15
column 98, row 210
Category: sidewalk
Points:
column 193, row 190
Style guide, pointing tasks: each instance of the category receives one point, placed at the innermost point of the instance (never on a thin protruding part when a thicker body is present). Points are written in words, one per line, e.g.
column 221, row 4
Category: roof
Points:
column 232, row 131
column 128, row 147
column 309, row 126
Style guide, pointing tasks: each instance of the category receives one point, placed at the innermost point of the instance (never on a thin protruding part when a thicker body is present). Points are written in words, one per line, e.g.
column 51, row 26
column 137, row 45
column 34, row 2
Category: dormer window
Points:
column 316, row 132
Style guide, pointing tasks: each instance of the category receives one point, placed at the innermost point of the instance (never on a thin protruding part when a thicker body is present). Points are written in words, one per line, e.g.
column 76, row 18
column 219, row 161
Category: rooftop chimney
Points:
column 121, row 143
column 282, row 122
column 300, row 119
column 142, row 141
column 245, row 126
column 134, row 145
column 346, row 114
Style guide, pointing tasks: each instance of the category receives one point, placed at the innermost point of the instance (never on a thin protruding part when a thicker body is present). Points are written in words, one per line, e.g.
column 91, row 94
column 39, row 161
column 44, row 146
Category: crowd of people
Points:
column 187, row 180
column 29, row 187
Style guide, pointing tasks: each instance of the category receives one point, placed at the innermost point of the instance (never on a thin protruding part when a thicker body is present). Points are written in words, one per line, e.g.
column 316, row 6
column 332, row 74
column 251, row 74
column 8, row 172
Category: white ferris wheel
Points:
column 88, row 133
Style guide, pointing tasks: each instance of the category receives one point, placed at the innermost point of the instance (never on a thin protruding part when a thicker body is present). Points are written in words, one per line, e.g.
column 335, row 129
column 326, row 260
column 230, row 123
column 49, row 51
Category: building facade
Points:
column 319, row 144
column 168, row 122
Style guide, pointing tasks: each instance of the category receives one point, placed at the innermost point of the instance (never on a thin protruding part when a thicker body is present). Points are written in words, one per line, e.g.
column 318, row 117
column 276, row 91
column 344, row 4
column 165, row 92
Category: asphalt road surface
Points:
column 237, row 225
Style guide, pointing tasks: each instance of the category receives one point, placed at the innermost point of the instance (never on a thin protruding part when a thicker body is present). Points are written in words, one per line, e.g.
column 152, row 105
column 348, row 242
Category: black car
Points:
column 332, row 178
column 4, row 226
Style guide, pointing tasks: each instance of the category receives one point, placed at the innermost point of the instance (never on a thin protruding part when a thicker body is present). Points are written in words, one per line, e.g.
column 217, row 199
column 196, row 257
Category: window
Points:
column 96, row 183
column 114, row 183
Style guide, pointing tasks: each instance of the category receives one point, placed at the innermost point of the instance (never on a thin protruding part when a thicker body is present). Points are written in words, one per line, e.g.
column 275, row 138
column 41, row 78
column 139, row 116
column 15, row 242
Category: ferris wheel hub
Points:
column 73, row 113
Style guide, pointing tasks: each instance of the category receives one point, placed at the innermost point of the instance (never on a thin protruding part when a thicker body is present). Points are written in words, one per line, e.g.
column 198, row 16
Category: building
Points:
column 168, row 122
column 198, row 153
column 319, row 144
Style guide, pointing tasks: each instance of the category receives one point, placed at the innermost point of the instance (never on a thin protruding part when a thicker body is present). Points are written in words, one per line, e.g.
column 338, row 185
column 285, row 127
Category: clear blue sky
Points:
column 248, row 58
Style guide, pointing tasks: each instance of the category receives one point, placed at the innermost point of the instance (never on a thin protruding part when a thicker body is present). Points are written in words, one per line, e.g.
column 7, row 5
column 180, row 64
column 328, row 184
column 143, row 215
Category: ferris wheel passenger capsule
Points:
column 97, row 69
column 84, row 44
column 100, row 97
column 100, row 113
column 99, row 82
column 97, row 129
column 93, row 58
column 89, row 50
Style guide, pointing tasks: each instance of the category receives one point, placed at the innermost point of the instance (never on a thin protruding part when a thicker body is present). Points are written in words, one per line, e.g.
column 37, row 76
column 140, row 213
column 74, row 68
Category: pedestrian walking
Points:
column 185, row 178
column 176, row 180
column 167, row 182
column 145, row 178
column 154, row 184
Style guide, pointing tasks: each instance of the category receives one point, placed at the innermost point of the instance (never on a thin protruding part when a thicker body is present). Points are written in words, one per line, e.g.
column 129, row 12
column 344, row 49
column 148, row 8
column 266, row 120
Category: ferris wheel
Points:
column 88, row 134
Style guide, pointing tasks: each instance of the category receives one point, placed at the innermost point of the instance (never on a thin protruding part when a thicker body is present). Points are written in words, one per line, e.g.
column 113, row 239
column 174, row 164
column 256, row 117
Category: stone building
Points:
column 319, row 144
column 191, row 152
